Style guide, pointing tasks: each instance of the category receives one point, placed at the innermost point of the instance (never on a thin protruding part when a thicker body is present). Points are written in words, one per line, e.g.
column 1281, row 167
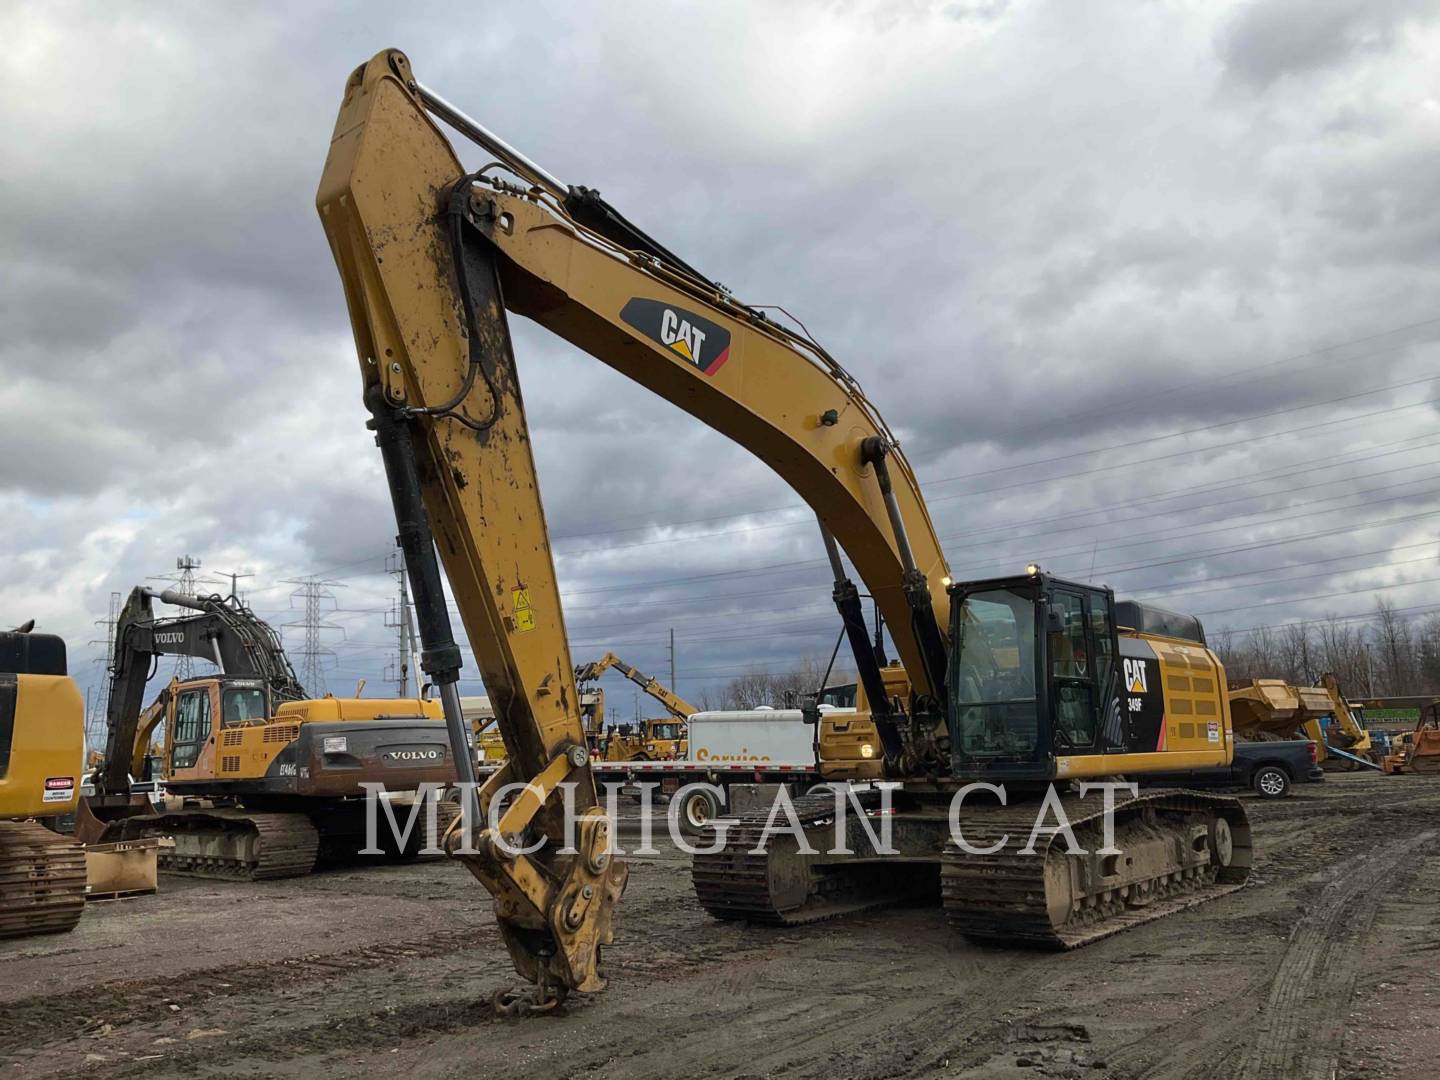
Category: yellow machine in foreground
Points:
column 42, row 746
column 655, row 739
column 1023, row 681
column 1273, row 709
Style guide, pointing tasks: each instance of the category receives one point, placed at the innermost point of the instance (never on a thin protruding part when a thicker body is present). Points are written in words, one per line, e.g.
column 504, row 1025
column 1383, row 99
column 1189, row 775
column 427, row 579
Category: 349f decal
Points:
column 691, row 337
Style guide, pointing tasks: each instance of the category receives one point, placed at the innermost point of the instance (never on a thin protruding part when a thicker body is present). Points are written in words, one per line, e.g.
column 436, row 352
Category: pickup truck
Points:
column 1268, row 768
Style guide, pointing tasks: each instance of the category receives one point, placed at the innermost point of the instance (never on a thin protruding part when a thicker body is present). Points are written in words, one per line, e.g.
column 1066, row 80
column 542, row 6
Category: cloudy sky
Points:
column 1150, row 292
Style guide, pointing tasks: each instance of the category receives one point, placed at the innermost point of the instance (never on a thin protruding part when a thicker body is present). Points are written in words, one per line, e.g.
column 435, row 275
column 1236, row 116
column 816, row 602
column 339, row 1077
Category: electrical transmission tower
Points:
column 184, row 582
column 314, row 655
column 96, row 723
column 399, row 619
column 234, row 576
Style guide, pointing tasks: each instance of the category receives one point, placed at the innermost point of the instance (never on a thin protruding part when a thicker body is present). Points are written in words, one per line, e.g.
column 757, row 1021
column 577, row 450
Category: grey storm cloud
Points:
column 1269, row 40
column 1033, row 231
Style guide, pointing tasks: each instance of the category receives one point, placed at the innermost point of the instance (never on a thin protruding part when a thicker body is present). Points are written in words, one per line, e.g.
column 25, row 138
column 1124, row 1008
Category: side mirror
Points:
column 1055, row 618
column 809, row 711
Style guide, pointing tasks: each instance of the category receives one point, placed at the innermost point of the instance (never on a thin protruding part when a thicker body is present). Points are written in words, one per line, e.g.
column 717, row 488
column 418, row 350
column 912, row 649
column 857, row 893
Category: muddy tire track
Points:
column 1301, row 1032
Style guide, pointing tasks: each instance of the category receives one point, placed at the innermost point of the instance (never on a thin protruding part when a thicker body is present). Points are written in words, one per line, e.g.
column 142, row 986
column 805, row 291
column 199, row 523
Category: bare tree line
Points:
column 1385, row 655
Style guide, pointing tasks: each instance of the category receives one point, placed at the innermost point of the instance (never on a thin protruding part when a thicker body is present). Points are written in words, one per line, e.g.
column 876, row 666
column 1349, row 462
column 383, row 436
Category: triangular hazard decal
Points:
column 683, row 349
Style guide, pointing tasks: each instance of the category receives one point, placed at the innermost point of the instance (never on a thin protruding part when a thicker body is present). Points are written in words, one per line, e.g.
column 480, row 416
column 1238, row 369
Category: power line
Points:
column 679, row 600
column 1172, row 592
column 1084, row 472
column 1108, row 408
column 1158, row 536
column 1189, row 431
column 1320, row 596
column 1222, row 525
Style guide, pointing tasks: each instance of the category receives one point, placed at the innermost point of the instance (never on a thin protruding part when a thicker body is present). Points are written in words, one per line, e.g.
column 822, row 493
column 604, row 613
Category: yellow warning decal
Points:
column 524, row 616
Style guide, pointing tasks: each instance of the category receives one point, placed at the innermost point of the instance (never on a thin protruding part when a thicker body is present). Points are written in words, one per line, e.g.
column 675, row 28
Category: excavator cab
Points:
column 1031, row 673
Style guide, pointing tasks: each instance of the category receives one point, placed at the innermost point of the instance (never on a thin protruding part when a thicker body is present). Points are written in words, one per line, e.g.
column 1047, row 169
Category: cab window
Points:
column 1104, row 643
column 992, row 675
column 192, row 727
column 241, row 705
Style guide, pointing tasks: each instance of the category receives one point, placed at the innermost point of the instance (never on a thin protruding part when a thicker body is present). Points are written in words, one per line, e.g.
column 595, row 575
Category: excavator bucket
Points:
column 99, row 824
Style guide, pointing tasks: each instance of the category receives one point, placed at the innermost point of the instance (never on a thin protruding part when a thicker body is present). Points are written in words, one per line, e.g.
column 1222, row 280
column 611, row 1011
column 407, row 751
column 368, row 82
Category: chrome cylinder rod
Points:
column 483, row 137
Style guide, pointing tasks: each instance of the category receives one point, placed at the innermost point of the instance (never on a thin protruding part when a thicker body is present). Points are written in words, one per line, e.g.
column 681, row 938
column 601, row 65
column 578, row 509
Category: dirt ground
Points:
column 1325, row 965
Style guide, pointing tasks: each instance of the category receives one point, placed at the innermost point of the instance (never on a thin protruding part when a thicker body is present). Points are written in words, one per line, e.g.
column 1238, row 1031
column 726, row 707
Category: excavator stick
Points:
column 440, row 382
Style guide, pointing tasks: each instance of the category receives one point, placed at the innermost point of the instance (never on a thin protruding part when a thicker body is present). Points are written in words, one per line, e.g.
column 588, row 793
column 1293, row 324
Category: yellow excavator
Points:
column 655, row 739
column 1027, row 681
column 42, row 747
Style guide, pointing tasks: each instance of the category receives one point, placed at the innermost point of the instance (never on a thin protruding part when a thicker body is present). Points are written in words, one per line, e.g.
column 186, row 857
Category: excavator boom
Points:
column 674, row 704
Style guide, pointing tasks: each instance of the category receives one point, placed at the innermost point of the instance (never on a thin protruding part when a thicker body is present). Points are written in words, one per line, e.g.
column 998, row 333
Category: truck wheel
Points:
column 698, row 811
column 1271, row 782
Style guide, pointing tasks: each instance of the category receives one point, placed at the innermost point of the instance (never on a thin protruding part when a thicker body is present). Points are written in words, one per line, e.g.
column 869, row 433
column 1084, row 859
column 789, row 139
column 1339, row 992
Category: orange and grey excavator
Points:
column 280, row 776
column 1030, row 681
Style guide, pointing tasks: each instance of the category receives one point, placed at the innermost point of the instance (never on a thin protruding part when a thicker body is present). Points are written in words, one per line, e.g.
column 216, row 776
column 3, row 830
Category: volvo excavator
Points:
column 1027, row 681
column 282, row 774
column 42, row 744
column 655, row 739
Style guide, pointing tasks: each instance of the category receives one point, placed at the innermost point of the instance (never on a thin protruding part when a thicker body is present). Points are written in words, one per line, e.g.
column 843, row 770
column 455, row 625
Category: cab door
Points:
column 190, row 732
column 1075, row 659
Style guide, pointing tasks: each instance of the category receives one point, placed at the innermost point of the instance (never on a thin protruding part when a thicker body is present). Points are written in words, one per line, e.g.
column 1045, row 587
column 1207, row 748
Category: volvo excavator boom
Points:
column 1020, row 681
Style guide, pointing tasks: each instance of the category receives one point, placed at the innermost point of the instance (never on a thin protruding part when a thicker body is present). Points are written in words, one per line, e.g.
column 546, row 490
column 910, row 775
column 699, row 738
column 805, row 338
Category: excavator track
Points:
column 1179, row 848
column 782, row 888
column 233, row 843
column 42, row 880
